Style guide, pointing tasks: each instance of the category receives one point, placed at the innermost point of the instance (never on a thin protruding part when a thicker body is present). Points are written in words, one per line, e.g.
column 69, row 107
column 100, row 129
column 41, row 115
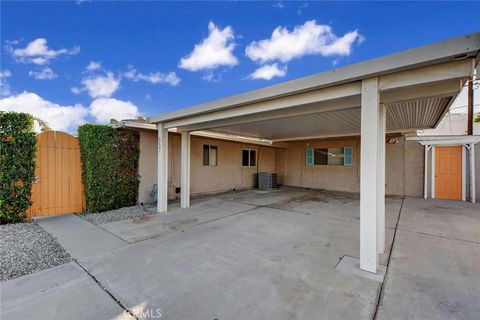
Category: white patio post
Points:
column 381, row 178
column 185, row 171
column 425, row 173
column 162, row 169
column 369, row 190
column 472, row 173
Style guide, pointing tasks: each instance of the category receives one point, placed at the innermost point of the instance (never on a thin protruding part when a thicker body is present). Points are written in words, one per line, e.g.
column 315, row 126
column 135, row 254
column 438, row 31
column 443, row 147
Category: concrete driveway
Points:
column 276, row 255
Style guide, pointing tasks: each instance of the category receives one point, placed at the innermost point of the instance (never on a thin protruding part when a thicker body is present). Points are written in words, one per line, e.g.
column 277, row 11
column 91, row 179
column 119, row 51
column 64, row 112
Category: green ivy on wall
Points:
column 110, row 166
column 17, row 165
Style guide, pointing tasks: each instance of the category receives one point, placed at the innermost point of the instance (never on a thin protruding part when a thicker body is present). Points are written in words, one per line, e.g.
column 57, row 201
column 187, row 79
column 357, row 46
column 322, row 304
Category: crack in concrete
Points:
column 380, row 293
column 439, row 236
column 104, row 288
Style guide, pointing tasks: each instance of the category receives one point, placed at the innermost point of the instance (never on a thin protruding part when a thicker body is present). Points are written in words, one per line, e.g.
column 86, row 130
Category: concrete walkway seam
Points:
column 117, row 301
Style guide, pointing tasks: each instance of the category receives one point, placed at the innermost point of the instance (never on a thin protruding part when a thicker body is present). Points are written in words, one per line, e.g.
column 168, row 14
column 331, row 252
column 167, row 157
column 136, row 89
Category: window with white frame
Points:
column 249, row 157
column 328, row 156
column 209, row 155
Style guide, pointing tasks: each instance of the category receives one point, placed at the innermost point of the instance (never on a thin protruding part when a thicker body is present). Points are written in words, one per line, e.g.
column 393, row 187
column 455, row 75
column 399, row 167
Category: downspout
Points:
column 470, row 107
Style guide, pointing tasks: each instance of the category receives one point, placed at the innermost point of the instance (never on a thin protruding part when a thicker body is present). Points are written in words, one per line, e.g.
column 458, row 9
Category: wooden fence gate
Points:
column 58, row 186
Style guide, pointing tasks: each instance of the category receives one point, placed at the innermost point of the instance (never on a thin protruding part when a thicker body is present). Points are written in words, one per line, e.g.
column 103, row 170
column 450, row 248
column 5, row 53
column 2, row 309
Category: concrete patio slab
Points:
column 79, row 237
column 261, row 264
column 176, row 219
column 432, row 277
column 63, row 292
column 264, row 198
column 226, row 259
column 451, row 219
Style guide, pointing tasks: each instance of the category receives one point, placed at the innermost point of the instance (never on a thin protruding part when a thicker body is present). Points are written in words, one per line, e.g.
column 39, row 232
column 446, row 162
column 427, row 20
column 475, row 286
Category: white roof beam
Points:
column 441, row 72
column 340, row 104
column 283, row 103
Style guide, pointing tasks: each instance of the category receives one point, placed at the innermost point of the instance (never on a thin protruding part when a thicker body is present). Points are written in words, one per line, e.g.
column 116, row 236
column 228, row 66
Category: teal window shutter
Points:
column 309, row 157
column 347, row 156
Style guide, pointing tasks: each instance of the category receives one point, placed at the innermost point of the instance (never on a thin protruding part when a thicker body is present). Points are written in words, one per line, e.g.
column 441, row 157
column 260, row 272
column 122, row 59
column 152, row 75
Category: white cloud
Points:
column 307, row 39
column 58, row 117
column 279, row 5
column 93, row 65
column 39, row 53
column 214, row 51
column 4, row 86
column 5, row 74
column 76, row 90
column 268, row 72
column 44, row 74
column 153, row 77
column 99, row 86
column 104, row 109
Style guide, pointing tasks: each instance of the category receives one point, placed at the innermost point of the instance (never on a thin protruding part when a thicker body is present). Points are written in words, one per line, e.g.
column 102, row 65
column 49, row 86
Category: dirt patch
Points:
column 176, row 225
column 142, row 219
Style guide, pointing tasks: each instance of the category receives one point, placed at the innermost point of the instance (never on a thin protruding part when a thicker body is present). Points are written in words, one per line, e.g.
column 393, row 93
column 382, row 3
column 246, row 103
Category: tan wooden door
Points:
column 58, row 187
column 448, row 173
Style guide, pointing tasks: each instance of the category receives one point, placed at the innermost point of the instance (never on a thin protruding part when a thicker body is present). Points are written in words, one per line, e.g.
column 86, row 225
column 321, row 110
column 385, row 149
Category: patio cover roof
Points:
column 417, row 86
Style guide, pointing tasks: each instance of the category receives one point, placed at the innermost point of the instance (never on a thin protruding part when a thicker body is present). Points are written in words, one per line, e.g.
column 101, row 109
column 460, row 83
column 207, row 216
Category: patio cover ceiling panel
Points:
column 422, row 113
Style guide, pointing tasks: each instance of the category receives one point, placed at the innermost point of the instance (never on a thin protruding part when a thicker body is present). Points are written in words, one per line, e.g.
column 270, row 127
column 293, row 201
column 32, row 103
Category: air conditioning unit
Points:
column 267, row 180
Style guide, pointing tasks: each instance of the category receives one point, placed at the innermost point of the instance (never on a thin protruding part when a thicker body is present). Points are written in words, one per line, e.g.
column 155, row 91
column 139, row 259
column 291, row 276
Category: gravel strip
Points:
column 26, row 248
column 118, row 214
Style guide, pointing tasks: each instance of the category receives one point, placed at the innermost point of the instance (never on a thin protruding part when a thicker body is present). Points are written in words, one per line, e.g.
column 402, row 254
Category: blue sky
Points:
column 134, row 50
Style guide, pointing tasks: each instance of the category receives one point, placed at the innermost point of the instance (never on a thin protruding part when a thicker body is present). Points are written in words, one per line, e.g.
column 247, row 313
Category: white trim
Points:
column 369, row 175
column 185, row 170
column 472, row 173
column 464, row 174
column 425, row 173
column 444, row 140
column 432, row 187
column 162, row 169
column 382, row 115
column 256, row 158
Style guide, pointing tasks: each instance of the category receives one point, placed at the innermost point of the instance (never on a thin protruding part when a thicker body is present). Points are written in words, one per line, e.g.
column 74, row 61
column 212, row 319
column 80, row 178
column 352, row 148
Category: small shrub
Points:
column 17, row 165
column 110, row 166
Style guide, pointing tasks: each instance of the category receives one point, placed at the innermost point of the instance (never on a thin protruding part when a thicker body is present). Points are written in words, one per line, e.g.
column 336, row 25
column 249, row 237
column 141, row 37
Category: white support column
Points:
column 381, row 179
column 162, row 169
column 369, row 175
column 432, row 169
column 472, row 173
column 425, row 178
column 464, row 173
column 185, row 170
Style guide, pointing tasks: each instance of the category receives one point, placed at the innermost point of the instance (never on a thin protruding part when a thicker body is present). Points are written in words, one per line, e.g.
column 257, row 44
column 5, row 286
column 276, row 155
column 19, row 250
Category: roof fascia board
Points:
column 445, row 71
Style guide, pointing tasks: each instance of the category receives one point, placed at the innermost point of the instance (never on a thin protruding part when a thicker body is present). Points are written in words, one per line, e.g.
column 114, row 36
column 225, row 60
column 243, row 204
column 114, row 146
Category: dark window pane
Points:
column 245, row 158
column 320, row 157
column 253, row 158
column 206, row 161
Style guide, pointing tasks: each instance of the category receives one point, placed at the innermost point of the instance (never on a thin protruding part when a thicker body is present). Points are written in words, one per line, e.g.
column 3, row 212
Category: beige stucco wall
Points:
column 228, row 174
column 147, row 164
column 403, row 167
column 340, row 178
